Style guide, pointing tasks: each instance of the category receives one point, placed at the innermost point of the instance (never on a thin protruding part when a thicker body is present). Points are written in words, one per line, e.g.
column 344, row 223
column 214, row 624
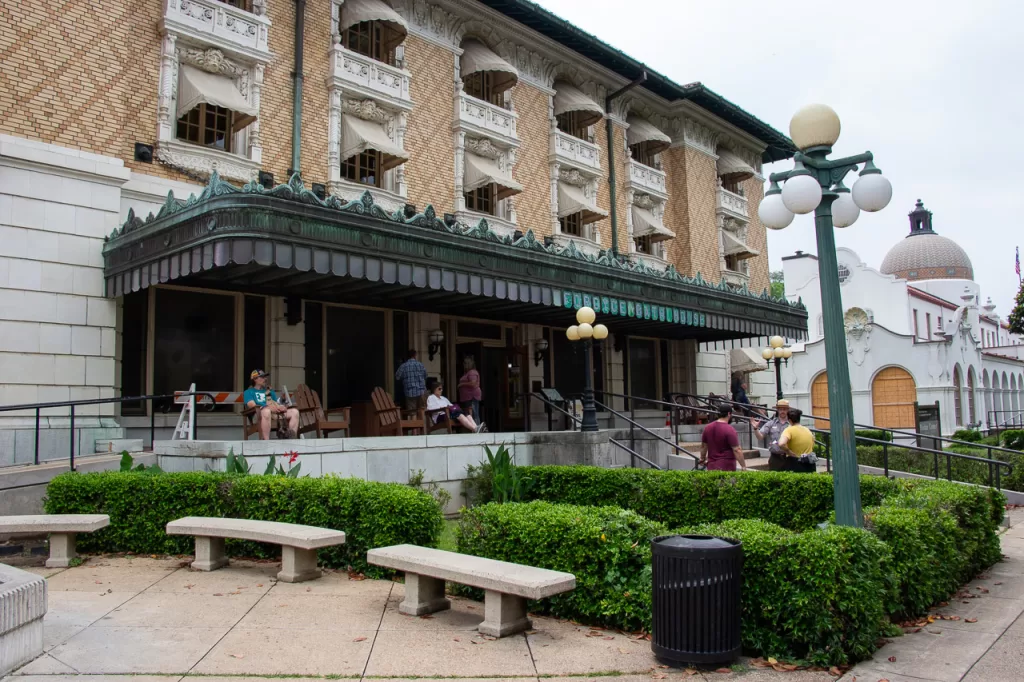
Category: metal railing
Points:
column 72, row 404
column 633, row 424
column 574, row 420
column 1013, row 420
column 995, row 466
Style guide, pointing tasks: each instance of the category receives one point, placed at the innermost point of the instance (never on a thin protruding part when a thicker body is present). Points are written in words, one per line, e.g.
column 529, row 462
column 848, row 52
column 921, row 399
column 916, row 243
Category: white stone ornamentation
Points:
column 366, row 109
column 700, row 137
column 483, row 147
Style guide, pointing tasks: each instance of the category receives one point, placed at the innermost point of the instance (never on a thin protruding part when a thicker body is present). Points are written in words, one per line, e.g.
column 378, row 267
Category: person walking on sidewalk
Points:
column 720, row 444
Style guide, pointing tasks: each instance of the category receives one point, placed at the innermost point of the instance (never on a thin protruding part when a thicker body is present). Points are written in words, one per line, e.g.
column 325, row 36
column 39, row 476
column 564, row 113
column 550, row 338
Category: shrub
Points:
column 876, row 434
column 608, row 550
column 682, row 498
column 140, row 506
column 969, row 435
column 817, row 595
column 1013, row 439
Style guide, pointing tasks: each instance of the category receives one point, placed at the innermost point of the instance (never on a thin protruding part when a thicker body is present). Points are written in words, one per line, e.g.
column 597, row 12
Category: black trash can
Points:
column 696, row 599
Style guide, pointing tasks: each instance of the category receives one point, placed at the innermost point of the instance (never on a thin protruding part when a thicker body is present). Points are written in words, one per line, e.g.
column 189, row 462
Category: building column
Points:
column 287, row 348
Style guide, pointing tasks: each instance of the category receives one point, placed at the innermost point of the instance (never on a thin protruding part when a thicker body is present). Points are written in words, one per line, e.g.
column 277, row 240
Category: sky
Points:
column 933, row 89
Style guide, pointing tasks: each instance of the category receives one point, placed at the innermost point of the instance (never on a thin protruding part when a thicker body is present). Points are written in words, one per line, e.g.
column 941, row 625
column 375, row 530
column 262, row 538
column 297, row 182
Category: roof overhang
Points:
column 287, row 241
column 531, row 15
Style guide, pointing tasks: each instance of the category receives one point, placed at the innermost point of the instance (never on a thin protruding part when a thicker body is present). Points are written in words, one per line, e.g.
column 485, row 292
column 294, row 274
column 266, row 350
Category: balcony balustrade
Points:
column 370, row 77
column 571, row 150
column 221, row 25
column 647, row 180
column 489, row 119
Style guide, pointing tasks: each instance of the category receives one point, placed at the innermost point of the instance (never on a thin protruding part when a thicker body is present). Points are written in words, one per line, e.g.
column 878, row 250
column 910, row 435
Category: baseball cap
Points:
column 258, row 373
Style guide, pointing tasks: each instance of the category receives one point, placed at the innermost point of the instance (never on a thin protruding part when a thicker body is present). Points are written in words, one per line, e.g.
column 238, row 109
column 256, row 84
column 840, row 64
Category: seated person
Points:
column 436, row 401
column 261, row 396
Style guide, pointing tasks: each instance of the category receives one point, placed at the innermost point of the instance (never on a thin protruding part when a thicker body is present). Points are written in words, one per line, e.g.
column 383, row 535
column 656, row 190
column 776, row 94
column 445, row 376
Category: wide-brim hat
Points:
column 782, row 403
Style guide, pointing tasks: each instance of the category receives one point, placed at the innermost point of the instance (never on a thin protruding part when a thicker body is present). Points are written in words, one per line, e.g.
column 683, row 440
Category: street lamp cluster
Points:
column 778, row 351
column 587, row 332
column 816, row 184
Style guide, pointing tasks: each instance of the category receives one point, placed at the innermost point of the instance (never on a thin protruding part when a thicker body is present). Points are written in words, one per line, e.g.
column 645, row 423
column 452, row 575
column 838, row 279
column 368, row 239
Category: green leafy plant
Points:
column 140, row 507
column 291, row 472
column 875, row 434
column 440, row 495
column 507, row 482
column 127, row 463
column 1013, row 439
column 236, row 465
column 969, row 435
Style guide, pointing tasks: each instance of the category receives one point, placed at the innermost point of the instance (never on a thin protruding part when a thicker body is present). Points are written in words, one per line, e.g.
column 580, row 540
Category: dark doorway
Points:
column 356, row 355
column 643, row 371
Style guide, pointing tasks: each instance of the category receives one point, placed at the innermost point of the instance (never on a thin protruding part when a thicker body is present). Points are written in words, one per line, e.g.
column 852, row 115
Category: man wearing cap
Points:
column 264, row 399
column 770, row 432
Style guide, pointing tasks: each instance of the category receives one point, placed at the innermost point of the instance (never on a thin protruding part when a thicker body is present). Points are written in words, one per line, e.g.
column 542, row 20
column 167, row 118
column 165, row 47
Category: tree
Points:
column 778, row 284
column 1016, row 319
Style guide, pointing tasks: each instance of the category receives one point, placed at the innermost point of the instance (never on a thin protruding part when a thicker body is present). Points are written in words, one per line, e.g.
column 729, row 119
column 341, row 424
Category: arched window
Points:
column 893, row 394
column 957, row 384
column 819, row 400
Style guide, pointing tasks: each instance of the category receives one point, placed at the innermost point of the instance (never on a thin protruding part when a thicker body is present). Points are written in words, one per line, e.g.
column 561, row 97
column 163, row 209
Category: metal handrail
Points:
column 1017, row 418
column 995, row 466
column 72, row 404
column 676, row 409
column 634, row 454
column 646, row 430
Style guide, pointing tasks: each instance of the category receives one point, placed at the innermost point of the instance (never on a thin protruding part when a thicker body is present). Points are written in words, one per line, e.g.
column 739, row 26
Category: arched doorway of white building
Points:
column 819, row 400
column 893, row 394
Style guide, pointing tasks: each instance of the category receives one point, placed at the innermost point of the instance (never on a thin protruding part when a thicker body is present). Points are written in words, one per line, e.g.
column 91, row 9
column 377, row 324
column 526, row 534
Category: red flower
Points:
column 292, row 456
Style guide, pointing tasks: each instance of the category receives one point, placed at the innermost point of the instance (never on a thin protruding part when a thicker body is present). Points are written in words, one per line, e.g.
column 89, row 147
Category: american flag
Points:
column 1018, row 261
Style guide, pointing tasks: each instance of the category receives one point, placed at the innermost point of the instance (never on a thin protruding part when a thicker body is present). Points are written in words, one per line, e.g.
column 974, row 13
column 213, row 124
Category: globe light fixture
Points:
column 773, row 213
column 779, row 352
column 816, row 184
column 776, row 342
column 844, row 209
column 801, row 193
column 587, row 332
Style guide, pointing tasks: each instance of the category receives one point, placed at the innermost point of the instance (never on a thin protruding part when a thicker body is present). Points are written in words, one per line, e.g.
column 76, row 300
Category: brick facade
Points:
column 757, row 237
column 532, row 170
column 430, row 172
column 701, row 201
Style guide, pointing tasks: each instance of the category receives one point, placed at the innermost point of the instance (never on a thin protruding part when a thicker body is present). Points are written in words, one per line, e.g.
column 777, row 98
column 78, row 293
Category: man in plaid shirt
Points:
column 413, row 376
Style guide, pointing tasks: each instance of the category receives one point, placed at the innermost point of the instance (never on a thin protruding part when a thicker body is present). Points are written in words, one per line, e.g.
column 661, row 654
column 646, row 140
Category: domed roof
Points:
column 924, row 254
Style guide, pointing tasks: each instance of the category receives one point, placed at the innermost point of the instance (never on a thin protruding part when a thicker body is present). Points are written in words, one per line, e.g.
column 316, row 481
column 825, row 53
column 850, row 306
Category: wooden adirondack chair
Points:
column 446, row 425
column 249, row 425
column 390, row 416
column 313, row 418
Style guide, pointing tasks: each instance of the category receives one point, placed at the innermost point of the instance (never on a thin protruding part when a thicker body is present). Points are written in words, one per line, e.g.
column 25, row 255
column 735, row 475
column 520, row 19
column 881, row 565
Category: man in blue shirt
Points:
column 413, row 376
column 261, row 396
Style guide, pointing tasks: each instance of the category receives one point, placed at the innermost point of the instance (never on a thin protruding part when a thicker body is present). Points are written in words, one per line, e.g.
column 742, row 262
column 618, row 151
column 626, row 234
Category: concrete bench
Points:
column 506, row 586
column 62, row 529
column 298, row 543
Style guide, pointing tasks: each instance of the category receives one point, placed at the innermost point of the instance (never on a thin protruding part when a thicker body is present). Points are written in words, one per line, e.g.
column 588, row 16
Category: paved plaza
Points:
column 148, row 616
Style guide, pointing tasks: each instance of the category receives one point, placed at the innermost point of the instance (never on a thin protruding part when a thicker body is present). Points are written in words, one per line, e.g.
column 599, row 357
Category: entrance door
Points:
column 357, row 349
column 643, row 371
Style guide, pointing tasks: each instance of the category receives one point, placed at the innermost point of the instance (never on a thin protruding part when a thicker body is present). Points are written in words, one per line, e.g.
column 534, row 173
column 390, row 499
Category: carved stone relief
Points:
column 211, row 60
column 573, row 177
column 366, row 109
column 482, row 147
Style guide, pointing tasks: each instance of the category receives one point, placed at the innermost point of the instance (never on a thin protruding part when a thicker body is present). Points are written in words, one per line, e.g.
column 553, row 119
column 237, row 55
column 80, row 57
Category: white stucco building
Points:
column 915, row 332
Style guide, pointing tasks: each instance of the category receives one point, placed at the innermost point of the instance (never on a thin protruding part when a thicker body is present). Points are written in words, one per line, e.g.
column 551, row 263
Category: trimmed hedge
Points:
column 969, row 435
column 608, row 549
column 901, row 459
column 875, row 434
column 1013, row 439
column 140, row 506
column 684, row 498
column 816, row 595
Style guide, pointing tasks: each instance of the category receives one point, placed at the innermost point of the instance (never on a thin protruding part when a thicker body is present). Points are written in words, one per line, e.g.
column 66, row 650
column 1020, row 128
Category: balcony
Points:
column 220, row 25
column 655, row 262
column 487, row 119
column 732, row 205
column 571, row 150
column 735, row 279
column 647, row 180
column 369, row 77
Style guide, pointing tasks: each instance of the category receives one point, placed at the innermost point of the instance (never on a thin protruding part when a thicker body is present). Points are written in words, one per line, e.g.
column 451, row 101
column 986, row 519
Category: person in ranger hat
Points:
column 769, row 433
column 264, row 399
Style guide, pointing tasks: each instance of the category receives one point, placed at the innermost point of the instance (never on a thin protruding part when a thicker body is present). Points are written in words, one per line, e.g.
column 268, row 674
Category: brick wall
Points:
column 430, row 172
column 532, row 171
column 677, row 216
column 757, row 237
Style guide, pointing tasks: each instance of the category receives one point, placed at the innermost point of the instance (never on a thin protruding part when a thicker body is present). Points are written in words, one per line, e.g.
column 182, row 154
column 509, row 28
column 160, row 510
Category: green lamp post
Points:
column 816, row 184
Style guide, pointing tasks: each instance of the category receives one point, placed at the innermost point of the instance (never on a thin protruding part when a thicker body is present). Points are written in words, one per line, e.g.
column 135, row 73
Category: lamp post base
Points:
column 589, row 422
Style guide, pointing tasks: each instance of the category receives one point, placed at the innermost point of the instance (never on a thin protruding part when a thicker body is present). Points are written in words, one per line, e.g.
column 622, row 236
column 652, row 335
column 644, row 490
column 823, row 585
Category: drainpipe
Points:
column 300, row 31
column 611, row 154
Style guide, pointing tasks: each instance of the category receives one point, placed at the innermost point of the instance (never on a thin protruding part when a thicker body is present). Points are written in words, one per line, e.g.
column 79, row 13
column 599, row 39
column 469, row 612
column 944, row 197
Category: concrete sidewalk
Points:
column 116, row 617
column 979, row 637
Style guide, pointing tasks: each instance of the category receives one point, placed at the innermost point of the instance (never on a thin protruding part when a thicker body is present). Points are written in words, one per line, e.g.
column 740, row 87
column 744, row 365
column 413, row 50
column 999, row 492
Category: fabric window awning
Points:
column 646, row 224
column 478, row 58
column 358, row 135
column 642, row 131
column 747, row 360
column 735, row 247
column 197, row 87
column 481, row 171
column 359, row 11
column 732, row 168
column 572, row 200
column 569, row 98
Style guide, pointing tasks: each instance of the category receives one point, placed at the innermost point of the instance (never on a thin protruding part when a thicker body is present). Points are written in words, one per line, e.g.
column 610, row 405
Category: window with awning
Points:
column 572, row 201
column 733, row 169
column 371, row 28
column 647, row 225
column 645, row 141
column 485, row 75
column 482, row 172
column 359, row 136
column 735, row 247
column 210, row 108
column 575, row 112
